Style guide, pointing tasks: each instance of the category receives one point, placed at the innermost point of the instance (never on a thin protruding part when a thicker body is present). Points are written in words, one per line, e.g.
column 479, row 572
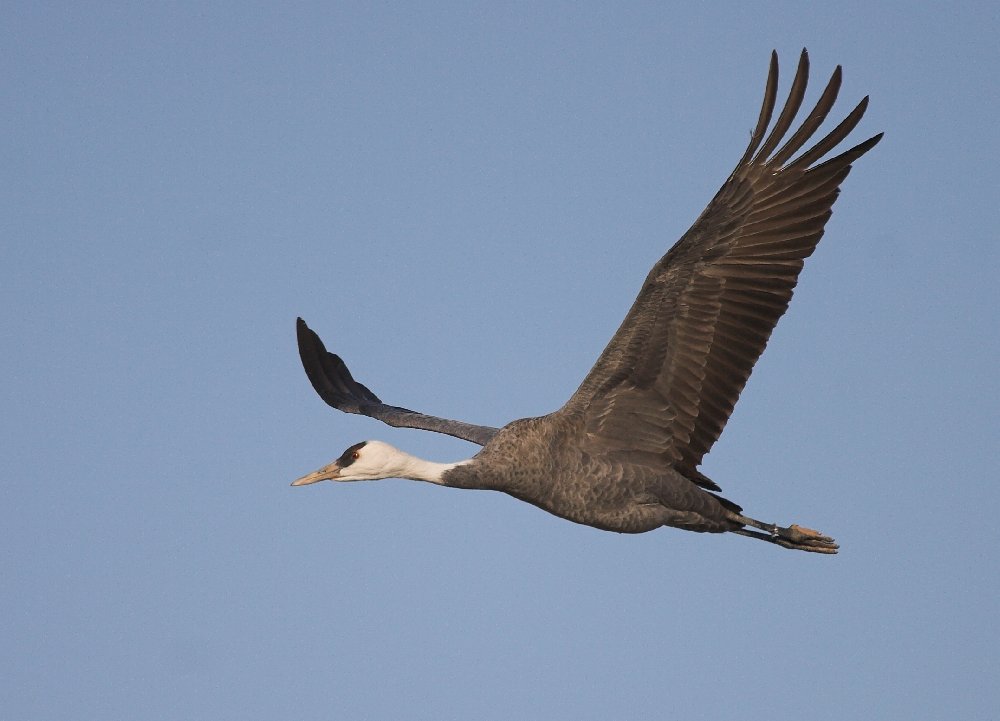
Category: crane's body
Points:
column 534, row 460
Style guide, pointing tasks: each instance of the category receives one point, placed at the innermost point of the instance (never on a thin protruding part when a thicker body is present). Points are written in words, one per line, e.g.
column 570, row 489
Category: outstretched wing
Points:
column 666, row 384
column 334, row 384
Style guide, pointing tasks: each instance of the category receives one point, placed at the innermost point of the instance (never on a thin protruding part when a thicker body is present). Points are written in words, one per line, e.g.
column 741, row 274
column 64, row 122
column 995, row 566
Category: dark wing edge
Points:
column 334, row 383
column 666, row 384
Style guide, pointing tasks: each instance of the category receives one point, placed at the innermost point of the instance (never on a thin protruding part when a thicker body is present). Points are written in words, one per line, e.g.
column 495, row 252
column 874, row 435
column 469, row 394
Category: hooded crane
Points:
column 623, row 453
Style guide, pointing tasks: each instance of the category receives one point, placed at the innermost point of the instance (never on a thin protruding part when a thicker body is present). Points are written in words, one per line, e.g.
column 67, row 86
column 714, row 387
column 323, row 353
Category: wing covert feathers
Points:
column 666, row 384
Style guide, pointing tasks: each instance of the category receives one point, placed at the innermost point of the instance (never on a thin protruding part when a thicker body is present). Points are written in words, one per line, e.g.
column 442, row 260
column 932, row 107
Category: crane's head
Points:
column 365, row 461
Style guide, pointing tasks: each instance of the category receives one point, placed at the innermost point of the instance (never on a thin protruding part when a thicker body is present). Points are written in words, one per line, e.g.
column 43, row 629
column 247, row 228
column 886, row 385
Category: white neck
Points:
column 404, row 465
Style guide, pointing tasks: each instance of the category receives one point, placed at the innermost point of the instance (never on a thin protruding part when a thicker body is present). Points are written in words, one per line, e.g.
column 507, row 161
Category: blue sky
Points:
column 462, row 199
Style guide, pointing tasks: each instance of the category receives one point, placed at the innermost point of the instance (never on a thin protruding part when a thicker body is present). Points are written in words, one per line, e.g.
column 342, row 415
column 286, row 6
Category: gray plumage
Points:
column 623, row 453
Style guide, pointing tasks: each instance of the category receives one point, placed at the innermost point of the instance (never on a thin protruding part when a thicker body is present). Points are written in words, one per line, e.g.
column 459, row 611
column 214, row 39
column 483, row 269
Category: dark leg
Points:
column 795, row 537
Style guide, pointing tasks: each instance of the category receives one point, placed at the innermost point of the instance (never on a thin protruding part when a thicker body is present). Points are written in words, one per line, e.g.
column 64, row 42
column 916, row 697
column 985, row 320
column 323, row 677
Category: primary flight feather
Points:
column 623, row 453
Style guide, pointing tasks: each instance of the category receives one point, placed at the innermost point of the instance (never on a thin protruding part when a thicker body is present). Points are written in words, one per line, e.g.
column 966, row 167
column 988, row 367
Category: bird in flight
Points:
column 623, row 453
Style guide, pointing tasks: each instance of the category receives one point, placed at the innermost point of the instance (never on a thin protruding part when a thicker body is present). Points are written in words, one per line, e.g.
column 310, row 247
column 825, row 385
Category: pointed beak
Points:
column 326, row 473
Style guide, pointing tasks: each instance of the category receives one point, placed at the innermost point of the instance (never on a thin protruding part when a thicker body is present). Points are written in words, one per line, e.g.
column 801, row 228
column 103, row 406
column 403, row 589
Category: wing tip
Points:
column 763, row 152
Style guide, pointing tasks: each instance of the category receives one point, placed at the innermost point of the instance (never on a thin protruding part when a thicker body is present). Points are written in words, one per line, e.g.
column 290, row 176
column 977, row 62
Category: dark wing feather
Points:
column 335, row 385
column 665, row 386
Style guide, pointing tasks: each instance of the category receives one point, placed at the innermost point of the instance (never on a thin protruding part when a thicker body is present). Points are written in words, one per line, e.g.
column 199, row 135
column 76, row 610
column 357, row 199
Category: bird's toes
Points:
column 801, row 533
column 807, row 539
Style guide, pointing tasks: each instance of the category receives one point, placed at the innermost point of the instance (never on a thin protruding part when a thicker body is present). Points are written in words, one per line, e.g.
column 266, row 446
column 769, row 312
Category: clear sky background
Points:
column 463, row 199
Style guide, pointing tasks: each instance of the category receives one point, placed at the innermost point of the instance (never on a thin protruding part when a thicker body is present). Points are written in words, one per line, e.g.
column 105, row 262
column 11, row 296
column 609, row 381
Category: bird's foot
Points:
column 801, row 538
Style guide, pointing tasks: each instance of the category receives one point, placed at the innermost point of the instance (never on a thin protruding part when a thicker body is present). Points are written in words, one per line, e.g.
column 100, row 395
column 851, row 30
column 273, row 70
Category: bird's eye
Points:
column 355, row 456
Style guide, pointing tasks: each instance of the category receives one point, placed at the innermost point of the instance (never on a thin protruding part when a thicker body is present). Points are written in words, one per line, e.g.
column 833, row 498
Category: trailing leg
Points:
column 794, row 537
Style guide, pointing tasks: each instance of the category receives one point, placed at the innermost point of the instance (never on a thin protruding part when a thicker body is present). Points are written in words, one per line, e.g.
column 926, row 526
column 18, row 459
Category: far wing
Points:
column 334, row 384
